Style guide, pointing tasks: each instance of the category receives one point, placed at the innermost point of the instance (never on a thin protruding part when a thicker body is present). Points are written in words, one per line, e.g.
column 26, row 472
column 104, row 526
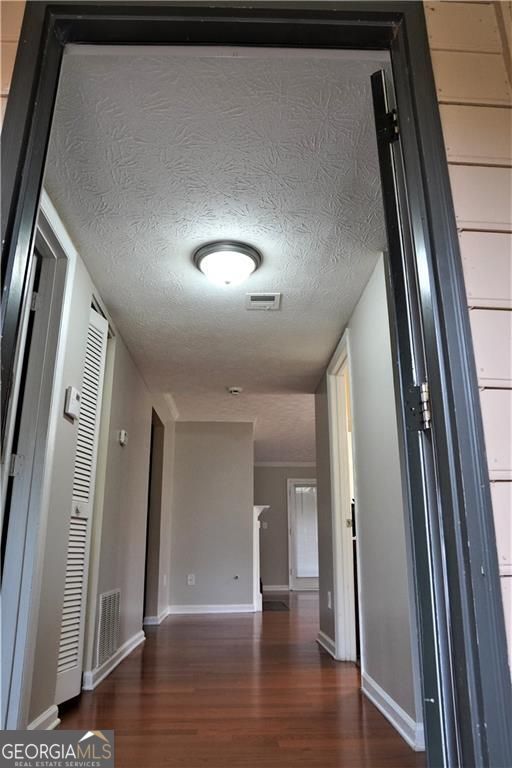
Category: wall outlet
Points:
column 165, row 579
column 191, row 579
column 329, row 600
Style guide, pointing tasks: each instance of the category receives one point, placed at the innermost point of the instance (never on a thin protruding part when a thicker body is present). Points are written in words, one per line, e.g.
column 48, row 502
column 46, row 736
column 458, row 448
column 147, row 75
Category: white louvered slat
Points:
column 70, row 634
column 89, row 414
column 69, row 676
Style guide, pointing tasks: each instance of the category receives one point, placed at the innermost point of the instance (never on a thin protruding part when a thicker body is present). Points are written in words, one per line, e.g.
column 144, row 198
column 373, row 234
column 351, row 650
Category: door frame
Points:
column 154, row 521
column 291, row 483
column 455, row 565
column 343, row 560
column 21, row 578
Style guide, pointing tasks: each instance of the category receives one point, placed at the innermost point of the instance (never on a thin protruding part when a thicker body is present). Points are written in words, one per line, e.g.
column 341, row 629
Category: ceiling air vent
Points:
column 263, row 301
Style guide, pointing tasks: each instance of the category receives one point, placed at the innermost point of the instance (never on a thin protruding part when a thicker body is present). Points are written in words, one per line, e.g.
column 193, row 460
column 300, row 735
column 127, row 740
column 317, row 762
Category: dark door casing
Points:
column 464, row 656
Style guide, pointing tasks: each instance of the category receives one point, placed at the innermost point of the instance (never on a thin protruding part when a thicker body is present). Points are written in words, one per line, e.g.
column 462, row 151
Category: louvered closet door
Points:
column 69, row 675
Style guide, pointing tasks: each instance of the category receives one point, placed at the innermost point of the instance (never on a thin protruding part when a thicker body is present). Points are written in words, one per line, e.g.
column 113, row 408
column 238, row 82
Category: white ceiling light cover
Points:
column 227, row 263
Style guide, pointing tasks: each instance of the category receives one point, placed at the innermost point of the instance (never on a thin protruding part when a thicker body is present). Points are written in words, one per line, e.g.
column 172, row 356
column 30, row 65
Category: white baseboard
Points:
column 326, row 643
column 411, row 731
column 285, row 464
column 306, row 584
column 240, row 608
column 47, row 721
column 95, row 676
column 152, row 620
column 275, row 588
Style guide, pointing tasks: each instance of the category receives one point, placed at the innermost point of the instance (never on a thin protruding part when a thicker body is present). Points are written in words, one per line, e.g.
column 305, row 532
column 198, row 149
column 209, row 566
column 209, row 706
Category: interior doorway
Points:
column 153, row 538
column 303, row 535
column 346, row 601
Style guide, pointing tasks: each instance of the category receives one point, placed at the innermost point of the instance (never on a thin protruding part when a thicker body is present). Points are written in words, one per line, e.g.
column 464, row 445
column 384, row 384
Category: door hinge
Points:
column 34, row 303
column 387, row 126
column 15, row 465
column 419, row 415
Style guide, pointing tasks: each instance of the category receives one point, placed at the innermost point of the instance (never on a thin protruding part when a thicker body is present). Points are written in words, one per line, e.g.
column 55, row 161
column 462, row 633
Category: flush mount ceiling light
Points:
column 226, row 262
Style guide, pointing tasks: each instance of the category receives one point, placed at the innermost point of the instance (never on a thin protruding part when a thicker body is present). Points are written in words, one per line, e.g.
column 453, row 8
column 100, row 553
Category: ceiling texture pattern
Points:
column 155, row 153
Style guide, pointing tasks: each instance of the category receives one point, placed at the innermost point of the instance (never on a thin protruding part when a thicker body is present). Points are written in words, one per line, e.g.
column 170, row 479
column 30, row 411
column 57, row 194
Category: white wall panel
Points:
column 502, row 508
column 471, row 78
column 477, row 135
column 492, row 339
column 497, row 417
column 462, row 27
column 487, row 261
column 482, row 197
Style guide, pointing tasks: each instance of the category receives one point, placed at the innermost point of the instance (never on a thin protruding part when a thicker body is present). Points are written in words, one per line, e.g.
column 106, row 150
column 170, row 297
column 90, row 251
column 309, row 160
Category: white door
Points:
column 303, row 530
column 69, row 674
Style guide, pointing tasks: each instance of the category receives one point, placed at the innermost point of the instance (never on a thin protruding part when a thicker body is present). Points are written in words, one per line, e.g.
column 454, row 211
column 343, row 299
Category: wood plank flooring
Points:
column 240, row 691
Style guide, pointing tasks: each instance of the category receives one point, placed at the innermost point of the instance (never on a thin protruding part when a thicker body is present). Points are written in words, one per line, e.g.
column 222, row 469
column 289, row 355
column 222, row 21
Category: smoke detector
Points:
column 235, row 391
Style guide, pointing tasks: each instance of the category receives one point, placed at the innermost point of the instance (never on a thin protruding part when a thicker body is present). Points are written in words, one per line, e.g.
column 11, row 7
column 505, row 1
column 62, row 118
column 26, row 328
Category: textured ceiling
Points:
column 284, row 424
column 156, row 151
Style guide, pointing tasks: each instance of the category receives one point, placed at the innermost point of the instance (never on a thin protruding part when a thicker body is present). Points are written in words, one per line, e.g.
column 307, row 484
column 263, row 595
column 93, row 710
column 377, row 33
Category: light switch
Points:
column 72, row 403
column 264, row 524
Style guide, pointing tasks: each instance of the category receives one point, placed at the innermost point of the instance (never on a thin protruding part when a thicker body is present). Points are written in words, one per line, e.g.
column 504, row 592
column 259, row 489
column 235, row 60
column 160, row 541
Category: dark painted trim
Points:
column 457, row 554
column 465, row 518
column 25, row 136
column 415, row 449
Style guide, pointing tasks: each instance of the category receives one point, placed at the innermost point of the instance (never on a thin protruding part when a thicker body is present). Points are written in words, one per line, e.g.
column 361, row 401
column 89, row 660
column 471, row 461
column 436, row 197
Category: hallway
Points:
column 241, row 690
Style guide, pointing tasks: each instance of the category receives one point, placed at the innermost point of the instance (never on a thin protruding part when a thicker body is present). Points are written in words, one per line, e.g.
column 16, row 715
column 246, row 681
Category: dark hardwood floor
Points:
column 240, row 690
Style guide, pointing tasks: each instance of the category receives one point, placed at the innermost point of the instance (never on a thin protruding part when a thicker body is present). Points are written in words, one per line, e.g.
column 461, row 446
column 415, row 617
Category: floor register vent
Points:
column 108, row 626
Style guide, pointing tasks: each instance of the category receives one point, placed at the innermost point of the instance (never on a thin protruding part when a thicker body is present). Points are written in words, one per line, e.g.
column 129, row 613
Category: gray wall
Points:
column 212, row 517
column 388, row 623
column 325, row 523
column 270, row 487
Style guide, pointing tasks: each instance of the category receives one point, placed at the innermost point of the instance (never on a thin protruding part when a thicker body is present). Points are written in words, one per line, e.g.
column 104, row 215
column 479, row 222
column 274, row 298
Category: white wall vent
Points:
column 108, row 626
column 268, row 301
